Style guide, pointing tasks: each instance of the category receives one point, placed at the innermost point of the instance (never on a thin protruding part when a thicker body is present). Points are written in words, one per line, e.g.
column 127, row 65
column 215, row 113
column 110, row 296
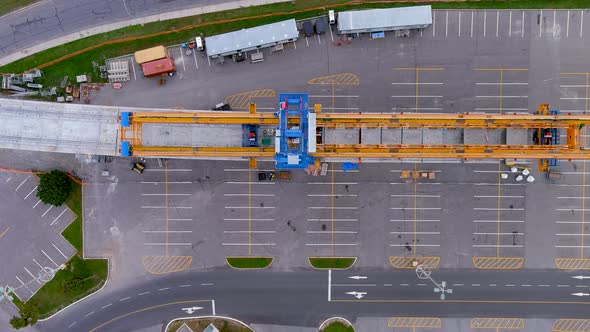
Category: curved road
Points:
column 301, row 298
column 50, row 19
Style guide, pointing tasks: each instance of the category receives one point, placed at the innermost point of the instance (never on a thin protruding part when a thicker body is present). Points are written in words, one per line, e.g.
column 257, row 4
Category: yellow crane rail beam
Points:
column 189, row 151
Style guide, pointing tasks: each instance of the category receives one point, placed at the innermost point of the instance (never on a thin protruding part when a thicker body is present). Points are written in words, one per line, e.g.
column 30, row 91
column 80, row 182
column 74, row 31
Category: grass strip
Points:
column 332, row 262
column 80, row 277
column 7, row 6
column 338, row 327
column 249, row 262
column 77, row 57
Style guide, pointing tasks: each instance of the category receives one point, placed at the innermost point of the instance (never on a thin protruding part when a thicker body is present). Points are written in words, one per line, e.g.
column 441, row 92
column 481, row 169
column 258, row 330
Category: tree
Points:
column 54, row 188
column 28, row 316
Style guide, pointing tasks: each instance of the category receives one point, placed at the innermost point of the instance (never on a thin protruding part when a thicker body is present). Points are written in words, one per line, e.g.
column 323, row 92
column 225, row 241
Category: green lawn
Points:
column 337, row 327
column 7, row 6
column 332, row 262
column 80, row 277
column 249, row 262
column 176, row 31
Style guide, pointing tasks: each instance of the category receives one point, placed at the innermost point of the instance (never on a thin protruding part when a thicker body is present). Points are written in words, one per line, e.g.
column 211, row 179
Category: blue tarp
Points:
column 125, row 149
column 125, row 119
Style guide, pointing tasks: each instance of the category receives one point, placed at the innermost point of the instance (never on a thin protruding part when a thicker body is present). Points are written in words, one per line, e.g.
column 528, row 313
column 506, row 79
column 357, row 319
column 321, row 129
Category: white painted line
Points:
column 496, row 184
column 417, row 220
column 447, row 25
column 56, row 248
column 27, row 287
column 169, row 182
column 415, row 208
column 306, row 41
column 319, row 40
column 540, row 23
column 248, row 244
column 246, row 182
column 133, row 67
column 354, row 285
column 571, row 197
column 50, row 207
column 207, row 284
column 567, row 29
column 496, row 209
column 209, row 60
column 7, row 180
column 246, row 219
column 333, row 207
column 433, row 24
column 164, row 232
column 330, row 195
column 39, row 265
column 345, row 183
column 169, row 170
column 166, row 194
column 195, row 57
column 106, row 306
column 183, row 286
column 471, row 24
column 330, row 232
column 88, row 314
column 32, row 276
column 424, row 233
column 495, row 246
column 572, row 246
column 572, row 185
column 329, row 219
column 420, row 196
column 495, row 196
column 501, row 221
column 46, row 255
column 29, row 194
column 574, row 98
column 503, row 83
column 74, row 323
column 144, row 293
column 414, row 96
column 410, row 83
column 563, row 285
column 525, row 285
column 163, row 289
column 572, row 234
column 501, row 96
column 573, row 86
column 335, row 96
column 475, row 285
column 423, row 109
column 331, row 244
column 458, row 285
column 182, row 58
column 497, row 22
column 329, row 285
column 249, row 207
column 423, row 183
column 251, row 232
column 176, row 219
column 522, row 26
column 582, row 286
column 570, row 222
column 500, row 109
column 164, row 207
column 492, row 285
column 544, row 285
column 251, row 195
column 459, row 24
column 21, row 184
column 404, row 284
column 387, row 285
column 510, row 25
column 417, row 245
column 247, row 169
column 571, row 209
column 61, row 214
column 495, row 233
column 510, row 285
column 484, row 22
column 340, row 108
column 554, row 17
column 331, row 34
column 124, row 299
column 164, row 244
column 581, row 22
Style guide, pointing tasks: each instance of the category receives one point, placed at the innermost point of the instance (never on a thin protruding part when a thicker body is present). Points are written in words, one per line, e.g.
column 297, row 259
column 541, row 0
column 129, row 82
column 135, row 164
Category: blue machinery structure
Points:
column 293, row 141
column 548, row 136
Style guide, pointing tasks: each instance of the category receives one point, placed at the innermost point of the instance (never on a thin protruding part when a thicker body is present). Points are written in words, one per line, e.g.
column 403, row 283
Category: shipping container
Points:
column 158, row 67
column 150, row 54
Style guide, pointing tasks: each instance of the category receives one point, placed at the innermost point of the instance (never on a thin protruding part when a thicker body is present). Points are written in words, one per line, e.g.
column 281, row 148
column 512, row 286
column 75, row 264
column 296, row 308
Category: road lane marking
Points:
column 74, row 323
column 89, row 314
column 447, row 25
column 183, row 286
column 484, row 22
column 106, row 306
column 163, row 289
column 540, row 23
column 5, row 231
column 472, row 24
column 124, row 299
column 567, row 29
column 522, row 26
column 144, row 293
column 165, row 243
column 459, row 24
column 497, row 23
column 510, row 25
column 503, row 221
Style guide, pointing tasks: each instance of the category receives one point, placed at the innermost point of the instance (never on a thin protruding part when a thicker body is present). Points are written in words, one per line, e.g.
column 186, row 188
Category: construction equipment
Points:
column 137, row 167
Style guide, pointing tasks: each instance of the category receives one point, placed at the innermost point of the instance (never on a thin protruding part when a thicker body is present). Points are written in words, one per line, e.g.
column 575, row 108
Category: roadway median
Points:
column 249, row 262
column 332, row 263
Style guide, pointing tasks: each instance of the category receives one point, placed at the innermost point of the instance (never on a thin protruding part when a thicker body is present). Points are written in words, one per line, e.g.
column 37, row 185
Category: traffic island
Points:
column 208, row 323
column 333, row 263
column 249, row 262
column 336, row 324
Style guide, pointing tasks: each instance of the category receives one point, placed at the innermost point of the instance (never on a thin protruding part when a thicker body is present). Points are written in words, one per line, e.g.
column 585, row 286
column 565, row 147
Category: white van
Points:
column 331, row 16
column 199, row 42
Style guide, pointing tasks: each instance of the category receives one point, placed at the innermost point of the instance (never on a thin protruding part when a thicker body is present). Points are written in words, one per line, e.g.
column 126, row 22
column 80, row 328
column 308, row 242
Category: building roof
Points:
column 211, row 328
column 157, row 67
column 374, row 19
column 150, row 54
column 233, row 42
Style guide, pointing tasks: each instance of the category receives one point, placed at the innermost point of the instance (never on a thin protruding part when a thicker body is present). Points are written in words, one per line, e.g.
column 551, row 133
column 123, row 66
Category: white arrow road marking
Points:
column 358, row 295
column 581, row 294
column 191, row 309
column 581, row 277
column 357, row 277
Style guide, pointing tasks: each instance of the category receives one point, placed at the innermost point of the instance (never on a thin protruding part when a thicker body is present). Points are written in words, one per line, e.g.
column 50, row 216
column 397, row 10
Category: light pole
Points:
column 423, row 272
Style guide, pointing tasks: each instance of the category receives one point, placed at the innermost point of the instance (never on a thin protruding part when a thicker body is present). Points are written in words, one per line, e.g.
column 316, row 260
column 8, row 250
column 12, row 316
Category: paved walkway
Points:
column 124, row 23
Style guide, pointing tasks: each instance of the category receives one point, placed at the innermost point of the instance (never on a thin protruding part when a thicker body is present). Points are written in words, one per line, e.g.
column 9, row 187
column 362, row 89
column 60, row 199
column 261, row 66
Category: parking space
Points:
column 31, row 230
column 415, row 217
column 333, row 214
column 501, row 90
column 336, row 93
column 417, row 89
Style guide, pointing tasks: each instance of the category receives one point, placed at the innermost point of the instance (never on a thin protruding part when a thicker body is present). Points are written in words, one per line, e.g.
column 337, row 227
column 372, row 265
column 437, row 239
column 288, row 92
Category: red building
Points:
column 158, row 67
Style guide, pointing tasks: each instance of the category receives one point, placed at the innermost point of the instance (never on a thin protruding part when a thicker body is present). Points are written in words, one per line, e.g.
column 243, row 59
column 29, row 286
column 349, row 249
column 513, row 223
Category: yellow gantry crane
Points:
column 571, row 124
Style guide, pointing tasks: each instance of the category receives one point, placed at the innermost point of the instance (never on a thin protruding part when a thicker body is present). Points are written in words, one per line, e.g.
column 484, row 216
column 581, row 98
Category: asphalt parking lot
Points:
column 468, row 61
column 31, row 229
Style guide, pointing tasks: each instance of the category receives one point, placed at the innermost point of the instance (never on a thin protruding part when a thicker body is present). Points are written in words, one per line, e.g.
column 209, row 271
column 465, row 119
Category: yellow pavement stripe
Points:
column 497, row 263
column 6, row 230
column 571, row 325
column 242, row 100
column 497, row 323
column 574, row 73
column 338, row 79
column 415, row 322
column 410, row 262
column 501, row 69
column 571, row 263
column 166, row 264
column 146, row 309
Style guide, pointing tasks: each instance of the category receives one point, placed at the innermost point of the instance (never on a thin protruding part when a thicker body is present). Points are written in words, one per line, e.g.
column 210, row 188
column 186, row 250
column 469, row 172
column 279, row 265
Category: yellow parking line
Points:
column 337, row 79
column 571, row 325
column 407, row 262
column 415, row 322
column 501, row 69
column 6, row 230
column 572, row 263
column 497, row 263
column 497, row 323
